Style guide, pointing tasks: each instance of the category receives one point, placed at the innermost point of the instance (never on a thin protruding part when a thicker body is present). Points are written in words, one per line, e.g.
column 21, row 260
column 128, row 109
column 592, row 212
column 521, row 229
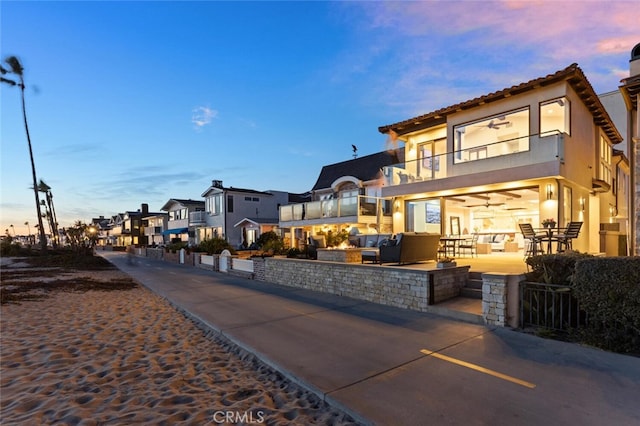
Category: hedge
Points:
column 608, row 289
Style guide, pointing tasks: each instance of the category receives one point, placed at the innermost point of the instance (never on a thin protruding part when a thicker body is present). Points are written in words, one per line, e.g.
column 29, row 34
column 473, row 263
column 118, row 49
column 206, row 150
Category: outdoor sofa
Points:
column 410, row 247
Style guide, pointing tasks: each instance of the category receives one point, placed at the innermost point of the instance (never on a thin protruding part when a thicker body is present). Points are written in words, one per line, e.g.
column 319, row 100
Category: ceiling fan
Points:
column 486, row 204
column 493, row 125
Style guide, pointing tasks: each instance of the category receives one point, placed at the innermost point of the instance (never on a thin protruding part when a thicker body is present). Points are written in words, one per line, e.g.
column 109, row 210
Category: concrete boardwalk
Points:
column 390, row 366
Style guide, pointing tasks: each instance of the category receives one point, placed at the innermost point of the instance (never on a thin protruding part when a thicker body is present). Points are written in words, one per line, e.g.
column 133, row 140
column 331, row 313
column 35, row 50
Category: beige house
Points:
column 539, row 150
column 630, row 90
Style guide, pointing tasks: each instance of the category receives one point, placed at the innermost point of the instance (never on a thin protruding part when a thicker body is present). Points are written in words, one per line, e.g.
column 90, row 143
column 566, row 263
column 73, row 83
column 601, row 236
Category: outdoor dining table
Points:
column 549, row 231
column 451, row 242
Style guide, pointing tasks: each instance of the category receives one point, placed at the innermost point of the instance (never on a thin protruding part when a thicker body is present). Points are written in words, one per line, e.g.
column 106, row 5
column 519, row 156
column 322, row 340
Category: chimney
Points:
column 634, row 62
column 145, row 208
column 216, row 184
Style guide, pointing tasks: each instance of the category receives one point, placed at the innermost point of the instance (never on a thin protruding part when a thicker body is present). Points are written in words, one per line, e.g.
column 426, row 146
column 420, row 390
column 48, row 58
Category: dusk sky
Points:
column 141, row 102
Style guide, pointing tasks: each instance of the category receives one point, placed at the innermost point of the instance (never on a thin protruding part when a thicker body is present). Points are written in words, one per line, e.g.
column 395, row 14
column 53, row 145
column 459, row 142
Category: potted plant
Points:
column 446, row 262
column 549, row 223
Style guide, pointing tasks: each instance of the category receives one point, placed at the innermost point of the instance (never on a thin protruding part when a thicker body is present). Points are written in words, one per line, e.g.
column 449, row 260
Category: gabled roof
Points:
column 364, row 168
column 257, row 221
column 572, row 74
column 232, row 189
column 183, row 202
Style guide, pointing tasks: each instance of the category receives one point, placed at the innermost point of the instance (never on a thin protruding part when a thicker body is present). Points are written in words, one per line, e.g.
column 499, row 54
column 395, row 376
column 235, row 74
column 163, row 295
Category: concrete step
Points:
column 472, row 293
column 474, row 283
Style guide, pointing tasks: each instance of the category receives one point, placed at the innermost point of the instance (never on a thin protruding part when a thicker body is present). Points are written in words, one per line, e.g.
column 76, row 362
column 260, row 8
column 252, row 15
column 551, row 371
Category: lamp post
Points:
column 28, row 231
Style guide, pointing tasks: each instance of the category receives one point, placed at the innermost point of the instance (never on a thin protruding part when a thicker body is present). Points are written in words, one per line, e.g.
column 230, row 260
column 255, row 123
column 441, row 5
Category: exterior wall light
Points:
column 549, row 191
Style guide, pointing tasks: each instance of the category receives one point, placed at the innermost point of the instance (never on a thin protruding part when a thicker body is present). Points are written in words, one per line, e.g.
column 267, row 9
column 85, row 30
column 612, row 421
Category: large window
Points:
column 214, row 204
column 498, row 135
column 554, row 116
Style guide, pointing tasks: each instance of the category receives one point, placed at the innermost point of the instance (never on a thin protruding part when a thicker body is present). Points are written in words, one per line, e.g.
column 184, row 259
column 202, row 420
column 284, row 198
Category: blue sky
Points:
column 140, row 102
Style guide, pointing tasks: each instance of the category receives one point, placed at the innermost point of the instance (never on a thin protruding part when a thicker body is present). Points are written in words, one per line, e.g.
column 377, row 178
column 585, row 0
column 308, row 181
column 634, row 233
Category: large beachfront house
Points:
column 346, row 196
column 236, row 214
column 538, row 150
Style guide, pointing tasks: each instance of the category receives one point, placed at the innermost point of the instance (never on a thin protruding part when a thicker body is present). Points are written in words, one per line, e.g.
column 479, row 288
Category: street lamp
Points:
column 29, row 231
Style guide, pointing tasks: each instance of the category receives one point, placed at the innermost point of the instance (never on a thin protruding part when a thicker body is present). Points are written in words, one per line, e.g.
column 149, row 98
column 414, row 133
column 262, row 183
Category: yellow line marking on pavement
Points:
column 480, row 369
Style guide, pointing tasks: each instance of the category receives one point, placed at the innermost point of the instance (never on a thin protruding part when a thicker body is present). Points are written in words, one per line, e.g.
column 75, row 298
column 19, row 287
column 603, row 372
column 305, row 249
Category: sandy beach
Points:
column 126, row 356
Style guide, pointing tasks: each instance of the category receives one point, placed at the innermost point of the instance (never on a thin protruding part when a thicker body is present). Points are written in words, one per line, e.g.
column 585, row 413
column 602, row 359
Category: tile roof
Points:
column 572, row 74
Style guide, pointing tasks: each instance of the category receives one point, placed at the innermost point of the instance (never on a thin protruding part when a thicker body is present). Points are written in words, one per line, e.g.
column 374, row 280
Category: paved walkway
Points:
column 390, row 366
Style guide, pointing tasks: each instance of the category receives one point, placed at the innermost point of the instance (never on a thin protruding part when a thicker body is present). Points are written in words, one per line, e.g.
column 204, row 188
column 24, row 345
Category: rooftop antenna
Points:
column 355, row 151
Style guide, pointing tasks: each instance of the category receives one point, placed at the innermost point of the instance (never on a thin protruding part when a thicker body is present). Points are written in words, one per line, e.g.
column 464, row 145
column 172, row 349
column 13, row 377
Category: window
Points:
column 605, row 160
column 554, row 117
column 498, row 135
column 214, row 204
column 230, row 203
column 431, row 155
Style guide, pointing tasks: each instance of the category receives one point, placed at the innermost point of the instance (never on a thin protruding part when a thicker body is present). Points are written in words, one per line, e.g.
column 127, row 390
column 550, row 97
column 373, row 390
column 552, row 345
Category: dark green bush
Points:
column 177, row 246
column 215, row 246
column 608, row 289
column 554, row 268
column 270, row 242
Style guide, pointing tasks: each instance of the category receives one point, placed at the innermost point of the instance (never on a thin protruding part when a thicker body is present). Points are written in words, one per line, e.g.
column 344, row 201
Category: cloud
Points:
column 203, row 116
column 436, row 53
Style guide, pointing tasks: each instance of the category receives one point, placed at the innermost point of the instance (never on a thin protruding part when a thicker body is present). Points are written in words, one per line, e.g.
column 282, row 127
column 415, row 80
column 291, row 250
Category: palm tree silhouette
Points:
column 17, row 69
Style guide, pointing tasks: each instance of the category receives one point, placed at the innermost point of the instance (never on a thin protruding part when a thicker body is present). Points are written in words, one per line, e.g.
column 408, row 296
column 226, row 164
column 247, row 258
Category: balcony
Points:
column 198, row 218
column 153, row 230
column 511, row 154
column 360, row 209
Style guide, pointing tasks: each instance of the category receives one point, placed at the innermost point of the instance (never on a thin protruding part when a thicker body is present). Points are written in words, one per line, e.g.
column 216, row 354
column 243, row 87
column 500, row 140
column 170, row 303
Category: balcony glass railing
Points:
column 522, row 151
column 197, row 217
column 352, row 207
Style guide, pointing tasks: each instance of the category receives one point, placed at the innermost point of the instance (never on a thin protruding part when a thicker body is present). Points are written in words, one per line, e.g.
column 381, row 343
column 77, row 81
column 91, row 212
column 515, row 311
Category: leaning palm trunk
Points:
column 17, row 69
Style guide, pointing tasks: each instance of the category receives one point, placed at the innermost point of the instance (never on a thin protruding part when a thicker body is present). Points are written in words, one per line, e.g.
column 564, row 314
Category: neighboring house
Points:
column 183, row 218
column 630, row 90
column 541, row 149
column 238, row 214
column 102, row 225
column 155, row 229
column 346, row 196
column 129, row 228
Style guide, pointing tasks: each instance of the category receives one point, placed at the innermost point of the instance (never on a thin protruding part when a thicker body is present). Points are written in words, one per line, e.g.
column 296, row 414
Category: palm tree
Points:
column 50, row 213
column 16, row 68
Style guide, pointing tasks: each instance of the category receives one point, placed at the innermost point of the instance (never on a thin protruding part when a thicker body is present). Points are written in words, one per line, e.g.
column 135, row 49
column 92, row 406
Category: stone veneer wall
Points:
column 494, row 298
column 393, row 286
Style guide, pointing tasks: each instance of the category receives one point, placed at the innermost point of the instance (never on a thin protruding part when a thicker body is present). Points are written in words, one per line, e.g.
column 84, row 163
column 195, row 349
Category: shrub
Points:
column 270, row 242
column 608, row 289
column 177, row 246
column 215, row 246
column 334, row 239
column 554, row 268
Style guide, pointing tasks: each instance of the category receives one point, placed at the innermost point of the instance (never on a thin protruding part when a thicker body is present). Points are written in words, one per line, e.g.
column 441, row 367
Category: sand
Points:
column 127, row 356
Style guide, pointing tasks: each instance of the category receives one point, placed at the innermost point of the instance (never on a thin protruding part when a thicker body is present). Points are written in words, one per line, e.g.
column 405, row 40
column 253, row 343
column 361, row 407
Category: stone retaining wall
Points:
column 394, row 286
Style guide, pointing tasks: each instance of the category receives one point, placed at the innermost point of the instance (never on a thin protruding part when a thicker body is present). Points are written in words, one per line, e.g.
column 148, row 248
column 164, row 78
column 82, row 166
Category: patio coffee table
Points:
column 371, row 255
